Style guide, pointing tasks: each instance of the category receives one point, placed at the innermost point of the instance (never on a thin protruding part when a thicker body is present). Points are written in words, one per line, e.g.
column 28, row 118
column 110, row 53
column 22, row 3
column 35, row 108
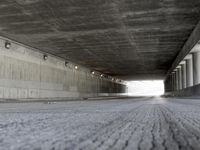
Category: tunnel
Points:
column 66, row 68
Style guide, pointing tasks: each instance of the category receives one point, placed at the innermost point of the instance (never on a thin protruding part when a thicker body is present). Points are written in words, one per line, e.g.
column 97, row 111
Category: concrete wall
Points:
column 25, row 74
column 193, row 91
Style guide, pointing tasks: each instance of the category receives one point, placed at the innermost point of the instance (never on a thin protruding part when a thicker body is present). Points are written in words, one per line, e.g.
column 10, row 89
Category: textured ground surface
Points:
column 153, row 123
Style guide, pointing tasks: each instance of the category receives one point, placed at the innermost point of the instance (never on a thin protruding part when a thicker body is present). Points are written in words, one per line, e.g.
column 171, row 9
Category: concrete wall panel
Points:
column 24, row 74
column 193, row 91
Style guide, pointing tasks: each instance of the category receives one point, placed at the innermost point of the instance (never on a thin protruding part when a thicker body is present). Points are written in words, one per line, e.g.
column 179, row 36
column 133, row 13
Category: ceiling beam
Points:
column 189, row 44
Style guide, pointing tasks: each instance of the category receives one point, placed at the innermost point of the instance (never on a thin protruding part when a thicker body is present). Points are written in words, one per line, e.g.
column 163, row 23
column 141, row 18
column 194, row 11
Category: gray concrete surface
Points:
column 126, row 38
column 117, row 124
column 193, row 91
column 25, row 74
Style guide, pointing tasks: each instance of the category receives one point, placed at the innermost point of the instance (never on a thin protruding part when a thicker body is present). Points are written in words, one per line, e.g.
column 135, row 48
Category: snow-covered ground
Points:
column 131, row 124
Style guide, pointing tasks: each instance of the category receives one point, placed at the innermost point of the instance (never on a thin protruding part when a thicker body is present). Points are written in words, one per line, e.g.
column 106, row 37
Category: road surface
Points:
column 115, row 124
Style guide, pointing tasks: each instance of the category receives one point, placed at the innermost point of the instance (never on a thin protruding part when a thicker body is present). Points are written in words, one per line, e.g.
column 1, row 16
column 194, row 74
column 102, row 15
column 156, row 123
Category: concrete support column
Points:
column 165, row 86
column 177, row 79
column 196, row 68
column 172, row 80
column 189, row 71
column 183, row 72
column 180, row 78
column 169, row 83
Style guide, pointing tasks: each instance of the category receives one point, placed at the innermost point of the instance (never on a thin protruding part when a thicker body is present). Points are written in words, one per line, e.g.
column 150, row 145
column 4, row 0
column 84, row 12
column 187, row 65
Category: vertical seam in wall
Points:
column 40, row 79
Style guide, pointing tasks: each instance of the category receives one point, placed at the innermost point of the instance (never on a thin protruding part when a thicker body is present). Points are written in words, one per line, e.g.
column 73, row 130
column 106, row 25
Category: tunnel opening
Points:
column 145, row 88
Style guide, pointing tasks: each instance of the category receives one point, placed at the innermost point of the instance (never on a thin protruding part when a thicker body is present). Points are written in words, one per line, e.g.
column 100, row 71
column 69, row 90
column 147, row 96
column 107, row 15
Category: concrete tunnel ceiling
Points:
column 130, row 39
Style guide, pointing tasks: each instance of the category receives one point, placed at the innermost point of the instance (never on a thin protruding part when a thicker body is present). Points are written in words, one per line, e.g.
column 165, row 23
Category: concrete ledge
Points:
column 192, row 92
column 60, row 99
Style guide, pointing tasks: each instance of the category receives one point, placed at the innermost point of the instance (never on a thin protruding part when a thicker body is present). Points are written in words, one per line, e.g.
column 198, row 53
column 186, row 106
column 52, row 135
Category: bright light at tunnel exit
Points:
column 146, row 88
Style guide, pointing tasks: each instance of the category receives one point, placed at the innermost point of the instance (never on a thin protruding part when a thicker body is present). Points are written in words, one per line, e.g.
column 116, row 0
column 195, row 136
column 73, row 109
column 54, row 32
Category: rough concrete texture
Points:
column 193, row 91
column 126, row 124
column 191, row 42
column 24, row 74
column 127, row 38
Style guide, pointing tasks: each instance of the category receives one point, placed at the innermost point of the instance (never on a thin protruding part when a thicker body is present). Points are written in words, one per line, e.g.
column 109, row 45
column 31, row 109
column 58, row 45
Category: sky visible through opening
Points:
column 146, row 88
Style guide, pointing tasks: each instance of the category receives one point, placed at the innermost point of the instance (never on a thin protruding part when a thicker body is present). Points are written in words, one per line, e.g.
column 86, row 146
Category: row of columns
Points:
column 185, row 75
